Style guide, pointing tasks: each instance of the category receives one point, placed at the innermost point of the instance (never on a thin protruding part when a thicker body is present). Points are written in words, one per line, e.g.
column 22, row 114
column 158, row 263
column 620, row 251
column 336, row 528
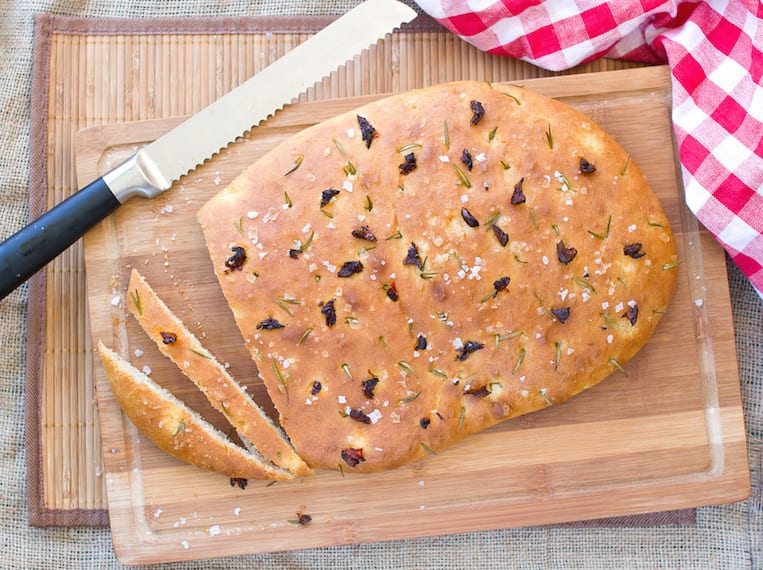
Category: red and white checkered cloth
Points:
column 715, row 51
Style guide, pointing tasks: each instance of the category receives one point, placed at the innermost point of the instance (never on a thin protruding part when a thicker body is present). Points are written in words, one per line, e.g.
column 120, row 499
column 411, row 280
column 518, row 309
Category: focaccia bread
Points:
column 435, row 263
column 175, row 428
column 176, row 342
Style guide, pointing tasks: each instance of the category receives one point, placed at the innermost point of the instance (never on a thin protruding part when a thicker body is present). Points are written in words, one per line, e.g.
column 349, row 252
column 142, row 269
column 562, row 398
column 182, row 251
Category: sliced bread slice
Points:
column 225, row 394
column 175, row 428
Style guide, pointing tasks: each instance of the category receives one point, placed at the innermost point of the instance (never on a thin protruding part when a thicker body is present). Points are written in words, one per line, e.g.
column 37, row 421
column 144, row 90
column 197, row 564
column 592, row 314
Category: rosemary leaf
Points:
column 625, row 165
column 605, row 235
column 304, row 336
column 369, row 204
column 407, row 148
column 445, row 136
column 584, row 284
column 287, row 200
column 549, row 137
column 281, row 380
column 409, row 399
column 428, row 449
column 613, row 361
column 239, row 225
column 135, row 296
column 180, row 428
column 308, row 241
column 297, row 164
column 491, row 134
column 197, row 353
column 517, row 101
column 408, row 369
column 532, row 218
column 461, row 417
column 520, row 359
column 346, row 368
column 339, row 146
column 464, row 179
column 558, row 347
column 670, row 265
column 438, row 372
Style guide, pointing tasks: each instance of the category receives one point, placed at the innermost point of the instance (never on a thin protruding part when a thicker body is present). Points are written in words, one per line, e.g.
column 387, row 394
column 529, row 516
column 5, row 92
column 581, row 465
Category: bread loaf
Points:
column 435, row 263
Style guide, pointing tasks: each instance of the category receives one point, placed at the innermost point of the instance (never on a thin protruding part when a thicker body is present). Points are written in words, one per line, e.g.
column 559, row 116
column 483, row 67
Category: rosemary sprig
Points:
column 625, row 165
column 339, row 146
column 135, row 296
column 532, row 218
column 277, row 372
column 584, row 284
column 461, row 417
column 180, row 428
column 499, row 338
column 517, row 101
column 609, row 321
column 464, row 179
column 197, row 353
column 349, row 169
column 297, row 164
column 407, row 148
column 605, row 235
column 284, row 302
column 407, row 368
column 520, row 360
column 613, row 361
column 409, row 399
column 304, row 336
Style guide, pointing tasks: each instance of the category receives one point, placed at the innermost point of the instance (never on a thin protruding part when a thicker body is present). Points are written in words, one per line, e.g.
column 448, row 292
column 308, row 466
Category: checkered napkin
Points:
column 715, row 51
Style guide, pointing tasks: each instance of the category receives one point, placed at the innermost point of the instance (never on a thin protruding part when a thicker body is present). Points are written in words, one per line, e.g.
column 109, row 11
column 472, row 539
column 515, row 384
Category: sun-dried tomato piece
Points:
column 631, row 314
column 352, row 456
column 168, row 337
column 502, row 283
column 633, row 250
column 269, row 324
column 369, row 385
column 469, row 347
column 413, row 257
column 367, row 131
column 466, row 158
column 364, row 232
column 359, row 416
column 500, row 235
column 328, row 311
column 478, row 111
column 239, row 482
column 409, row 165
column 562, row 314
column 586, row 167
column 236, row 261
column 350, row 268
column 470, row 220
column 391, row 290
column 480, row 392
column 327, row 195
column 518, row 196
column 564, row 253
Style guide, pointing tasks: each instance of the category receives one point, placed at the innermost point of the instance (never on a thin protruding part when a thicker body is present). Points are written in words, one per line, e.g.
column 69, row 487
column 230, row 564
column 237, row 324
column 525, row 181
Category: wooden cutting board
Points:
column 668, row 435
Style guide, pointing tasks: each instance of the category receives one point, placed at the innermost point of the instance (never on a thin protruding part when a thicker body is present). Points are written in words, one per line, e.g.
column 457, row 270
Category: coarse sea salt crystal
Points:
column 375, row 416
column 185, row 544
column 116, row 300
column 698, row 302
column 252, row 214
column 444, row 158
column 138, row 353
column 146, row 370
column 214, row 530
column 610, row 338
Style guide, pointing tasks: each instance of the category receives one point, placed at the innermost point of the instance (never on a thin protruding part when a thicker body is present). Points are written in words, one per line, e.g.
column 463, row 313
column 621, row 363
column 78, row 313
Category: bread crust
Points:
column 509, row 231
column 226, row 395
column 175, row 428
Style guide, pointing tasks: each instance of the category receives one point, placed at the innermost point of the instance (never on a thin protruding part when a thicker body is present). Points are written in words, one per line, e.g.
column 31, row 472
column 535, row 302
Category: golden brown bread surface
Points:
column 435, row 263
column 175, row 428
column 176, row 342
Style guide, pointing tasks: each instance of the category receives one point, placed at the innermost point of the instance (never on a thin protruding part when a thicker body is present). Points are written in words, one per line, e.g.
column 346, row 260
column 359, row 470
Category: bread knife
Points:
column 155, row 167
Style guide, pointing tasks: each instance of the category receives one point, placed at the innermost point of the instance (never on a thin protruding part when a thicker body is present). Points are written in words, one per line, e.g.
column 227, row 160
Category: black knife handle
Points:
column 31, row 248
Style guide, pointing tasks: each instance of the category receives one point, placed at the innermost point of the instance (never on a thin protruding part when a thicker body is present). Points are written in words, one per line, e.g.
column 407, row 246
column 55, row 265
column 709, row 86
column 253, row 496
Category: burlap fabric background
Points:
column 728, row 536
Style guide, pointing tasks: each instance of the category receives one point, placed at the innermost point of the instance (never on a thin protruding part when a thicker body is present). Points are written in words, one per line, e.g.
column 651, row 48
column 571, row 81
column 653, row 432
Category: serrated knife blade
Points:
column 155, row 167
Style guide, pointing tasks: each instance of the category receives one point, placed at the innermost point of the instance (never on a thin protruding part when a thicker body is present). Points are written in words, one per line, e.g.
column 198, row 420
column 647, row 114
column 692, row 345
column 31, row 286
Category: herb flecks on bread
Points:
column 435, row 263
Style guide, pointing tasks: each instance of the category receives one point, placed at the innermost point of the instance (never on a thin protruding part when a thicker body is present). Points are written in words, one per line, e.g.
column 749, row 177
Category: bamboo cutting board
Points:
column 668, row 435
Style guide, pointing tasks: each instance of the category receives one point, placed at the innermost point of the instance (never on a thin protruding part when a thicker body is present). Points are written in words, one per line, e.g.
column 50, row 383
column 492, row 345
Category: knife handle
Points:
column 32, row 247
